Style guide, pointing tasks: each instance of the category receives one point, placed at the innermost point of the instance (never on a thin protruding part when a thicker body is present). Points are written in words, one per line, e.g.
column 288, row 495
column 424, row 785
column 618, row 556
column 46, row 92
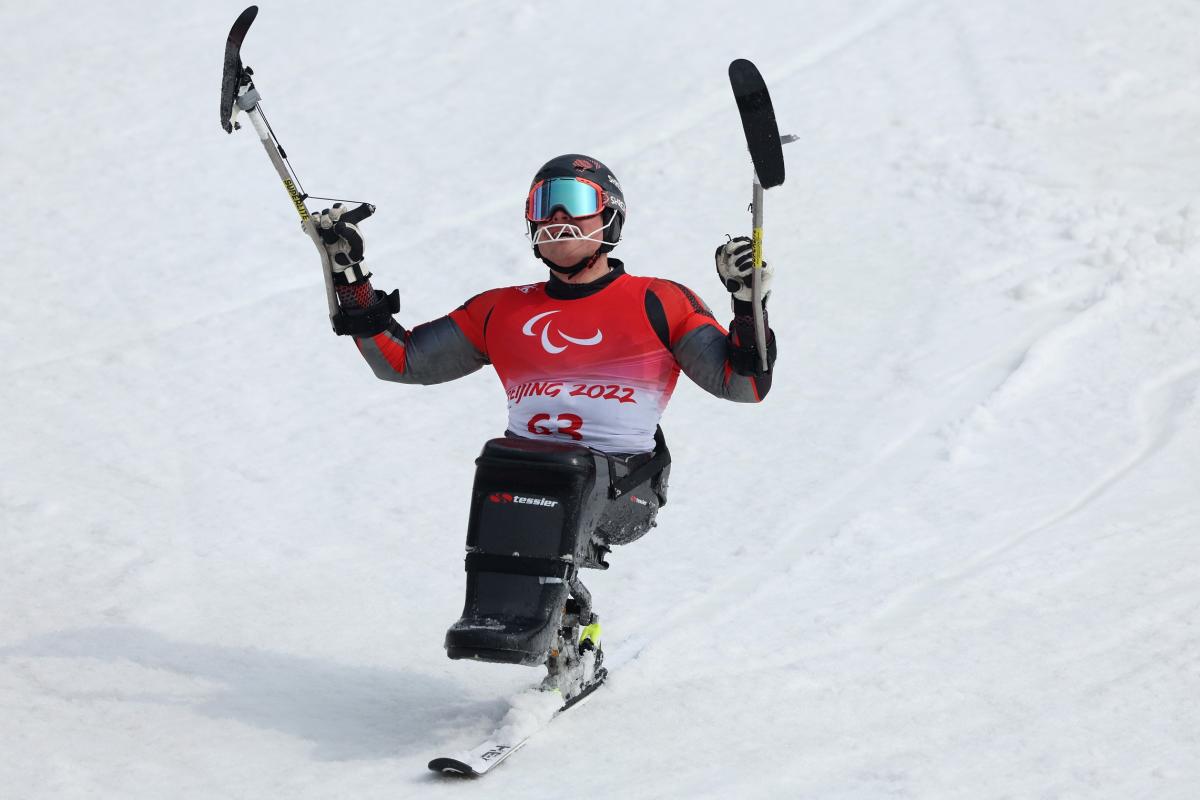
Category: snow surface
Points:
column 954, row 554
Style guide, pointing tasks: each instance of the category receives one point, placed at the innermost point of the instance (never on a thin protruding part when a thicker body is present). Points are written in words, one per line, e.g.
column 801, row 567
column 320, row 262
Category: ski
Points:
column 233, row 72
column 766, row 151
column 758, row 122
column 497, row 748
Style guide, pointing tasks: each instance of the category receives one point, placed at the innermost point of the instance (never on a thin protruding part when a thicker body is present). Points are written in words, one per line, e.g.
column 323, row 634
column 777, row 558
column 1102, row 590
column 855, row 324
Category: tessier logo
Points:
column 548, row 345
column 506, row 497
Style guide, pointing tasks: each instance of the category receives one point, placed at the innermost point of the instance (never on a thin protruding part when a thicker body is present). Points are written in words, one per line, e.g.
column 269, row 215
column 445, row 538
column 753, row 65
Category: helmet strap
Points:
column 611, row 218
column 574, row 269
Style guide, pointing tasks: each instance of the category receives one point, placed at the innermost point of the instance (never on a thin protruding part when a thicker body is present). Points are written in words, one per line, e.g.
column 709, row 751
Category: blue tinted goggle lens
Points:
column 577, row 198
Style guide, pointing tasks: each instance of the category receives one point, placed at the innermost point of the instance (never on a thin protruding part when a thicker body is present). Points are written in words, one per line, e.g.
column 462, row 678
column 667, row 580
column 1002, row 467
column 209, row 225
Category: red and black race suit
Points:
column 592, row 363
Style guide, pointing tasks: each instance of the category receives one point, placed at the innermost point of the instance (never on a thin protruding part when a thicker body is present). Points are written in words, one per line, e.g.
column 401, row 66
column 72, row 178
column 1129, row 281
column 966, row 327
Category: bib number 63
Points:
column 567, row 424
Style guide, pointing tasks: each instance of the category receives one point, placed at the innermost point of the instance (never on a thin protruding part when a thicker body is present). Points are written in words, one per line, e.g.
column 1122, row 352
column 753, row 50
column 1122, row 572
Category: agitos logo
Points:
column 548, row 344
column 505, row 497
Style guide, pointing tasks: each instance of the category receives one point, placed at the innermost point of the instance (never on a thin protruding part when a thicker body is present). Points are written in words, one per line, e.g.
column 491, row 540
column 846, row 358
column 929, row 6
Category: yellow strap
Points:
column 591, row 633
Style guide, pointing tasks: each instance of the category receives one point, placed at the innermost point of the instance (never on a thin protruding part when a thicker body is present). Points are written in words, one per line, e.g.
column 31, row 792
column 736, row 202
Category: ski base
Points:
column 484, row 758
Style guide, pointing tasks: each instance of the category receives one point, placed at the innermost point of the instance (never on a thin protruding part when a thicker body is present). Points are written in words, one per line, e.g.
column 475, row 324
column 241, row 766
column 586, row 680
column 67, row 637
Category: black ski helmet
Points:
column 575, row 165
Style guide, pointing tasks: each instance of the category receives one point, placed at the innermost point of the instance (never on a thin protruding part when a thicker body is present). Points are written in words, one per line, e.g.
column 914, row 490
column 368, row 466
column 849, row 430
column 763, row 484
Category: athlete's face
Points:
column 566, row 252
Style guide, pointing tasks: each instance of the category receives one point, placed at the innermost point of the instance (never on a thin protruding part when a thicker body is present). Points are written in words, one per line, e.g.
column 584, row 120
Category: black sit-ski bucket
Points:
column 528, row 518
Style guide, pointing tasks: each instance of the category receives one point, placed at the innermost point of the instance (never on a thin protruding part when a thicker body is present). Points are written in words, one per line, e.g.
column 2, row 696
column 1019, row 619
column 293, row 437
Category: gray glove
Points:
column 338, row 228
column 735, row 266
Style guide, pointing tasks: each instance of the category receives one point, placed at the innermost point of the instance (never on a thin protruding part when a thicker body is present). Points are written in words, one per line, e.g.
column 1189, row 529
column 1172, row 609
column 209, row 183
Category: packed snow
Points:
column 953, row 554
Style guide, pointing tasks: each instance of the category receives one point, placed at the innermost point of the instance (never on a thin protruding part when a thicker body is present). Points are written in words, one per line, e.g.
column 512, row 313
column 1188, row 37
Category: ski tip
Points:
column 232, row 69
column 743, row 67
column 452, row 767
column 241, row 25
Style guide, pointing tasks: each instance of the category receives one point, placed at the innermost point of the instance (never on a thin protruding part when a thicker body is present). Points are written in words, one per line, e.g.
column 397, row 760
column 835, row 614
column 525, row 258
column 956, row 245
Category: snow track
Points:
column 1170, row 398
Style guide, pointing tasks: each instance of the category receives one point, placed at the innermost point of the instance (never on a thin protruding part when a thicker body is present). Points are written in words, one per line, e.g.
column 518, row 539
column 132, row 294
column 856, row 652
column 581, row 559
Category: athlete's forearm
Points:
column 743, row 350
column 435, row 352
column 726, row 365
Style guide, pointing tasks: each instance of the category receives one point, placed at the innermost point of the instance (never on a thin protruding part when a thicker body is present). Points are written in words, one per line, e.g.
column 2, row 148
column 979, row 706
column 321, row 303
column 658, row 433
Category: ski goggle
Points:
column 578, row 197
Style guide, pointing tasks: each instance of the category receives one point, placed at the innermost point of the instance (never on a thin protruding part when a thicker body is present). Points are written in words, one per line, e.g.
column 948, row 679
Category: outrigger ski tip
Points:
column 234, row 73
column 758, row 122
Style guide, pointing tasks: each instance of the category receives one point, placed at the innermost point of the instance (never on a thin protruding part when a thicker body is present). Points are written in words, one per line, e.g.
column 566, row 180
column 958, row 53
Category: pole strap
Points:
column 516, row 565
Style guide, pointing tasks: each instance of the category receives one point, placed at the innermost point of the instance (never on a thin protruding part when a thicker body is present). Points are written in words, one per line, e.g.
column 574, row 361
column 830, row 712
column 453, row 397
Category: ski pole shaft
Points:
column 760, row 324
column 272, row 148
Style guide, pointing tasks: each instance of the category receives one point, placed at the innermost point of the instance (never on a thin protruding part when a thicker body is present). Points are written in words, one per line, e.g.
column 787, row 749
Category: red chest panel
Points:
column 590, row 369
